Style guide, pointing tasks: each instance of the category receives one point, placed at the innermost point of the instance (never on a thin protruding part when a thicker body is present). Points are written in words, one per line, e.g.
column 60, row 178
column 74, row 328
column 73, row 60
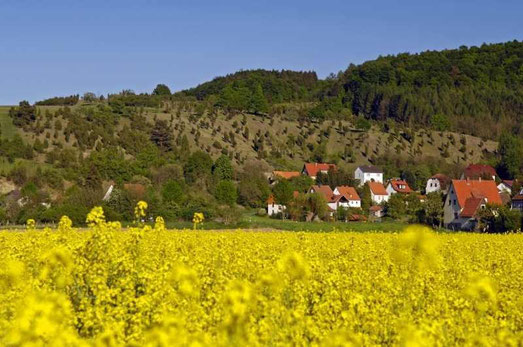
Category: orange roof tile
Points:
column 349, row 192
column 270, row 200
column 377, row 188
column 286, row 174
column 400, row 186
column 471, row 206
column 476, row 189
column 323, row 189
column 312, row 169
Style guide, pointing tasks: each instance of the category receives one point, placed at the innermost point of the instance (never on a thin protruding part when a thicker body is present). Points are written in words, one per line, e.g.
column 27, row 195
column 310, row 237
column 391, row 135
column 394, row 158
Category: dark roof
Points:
column 444, row 180
column 370, row 169
column 475, row 171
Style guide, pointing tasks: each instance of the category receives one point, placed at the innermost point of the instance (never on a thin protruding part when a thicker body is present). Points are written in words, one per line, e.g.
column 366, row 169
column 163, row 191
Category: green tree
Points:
column 433, row 209
column 258, row 102
column 199, row 165
column 172, row 191
column 162, row 90
column 510, row 149
column 162, row 135
column 226, row 192
column 223, row 169
column 440, row 122
column 283, row 191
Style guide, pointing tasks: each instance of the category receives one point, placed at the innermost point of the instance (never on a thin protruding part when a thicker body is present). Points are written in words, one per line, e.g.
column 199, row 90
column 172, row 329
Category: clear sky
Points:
column 50, row 48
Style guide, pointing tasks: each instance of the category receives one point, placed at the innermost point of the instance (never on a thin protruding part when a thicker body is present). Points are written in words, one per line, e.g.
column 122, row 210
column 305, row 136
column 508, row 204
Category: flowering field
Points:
column 150, row 286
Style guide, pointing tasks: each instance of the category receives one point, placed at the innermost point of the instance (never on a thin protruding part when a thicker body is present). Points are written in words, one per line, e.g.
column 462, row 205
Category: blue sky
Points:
column 50, row 48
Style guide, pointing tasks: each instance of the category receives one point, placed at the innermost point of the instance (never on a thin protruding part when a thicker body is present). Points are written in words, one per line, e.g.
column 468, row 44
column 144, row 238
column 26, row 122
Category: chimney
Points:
column 480, row 178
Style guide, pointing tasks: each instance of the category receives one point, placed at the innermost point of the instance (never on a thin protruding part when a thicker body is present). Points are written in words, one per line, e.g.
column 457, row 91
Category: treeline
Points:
column 456, row 89
column 277, row 86
column 60, row 101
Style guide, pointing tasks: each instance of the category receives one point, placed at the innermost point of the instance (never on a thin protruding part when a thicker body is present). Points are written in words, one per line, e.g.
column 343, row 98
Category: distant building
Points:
column 378, row 192
column 396, row 185
column 437, row 183
column 517, row 202
column 274, row 208
column 351, row 194
column 342, row 196
column 312, row 169
column 477, row 171
column 278, row 175
column 376, row 211
column 506, row 186
column 464, row 199
column 368, row 173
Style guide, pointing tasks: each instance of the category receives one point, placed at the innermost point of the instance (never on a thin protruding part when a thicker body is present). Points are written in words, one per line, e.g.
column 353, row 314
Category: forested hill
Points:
column 477, row 90
column 237, row 90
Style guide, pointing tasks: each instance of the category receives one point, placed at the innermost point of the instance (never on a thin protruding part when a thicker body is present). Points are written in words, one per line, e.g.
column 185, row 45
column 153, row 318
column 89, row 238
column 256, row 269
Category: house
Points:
column 343, row 196
column 351, row 194
column 477, row 171
column 517, row 202
column 378, row 193
column 376, row 211
column 506, row 186
column 272, row 207
column 312, row 169
column 464, row 201
column 368, row 173
column 437, row 183
column 397, row 185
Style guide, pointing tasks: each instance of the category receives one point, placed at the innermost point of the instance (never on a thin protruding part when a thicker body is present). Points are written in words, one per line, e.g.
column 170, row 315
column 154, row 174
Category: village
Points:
column 463, row 199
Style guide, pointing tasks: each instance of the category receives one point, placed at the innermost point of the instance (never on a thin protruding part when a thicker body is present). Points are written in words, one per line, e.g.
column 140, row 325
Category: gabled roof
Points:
column 444, row 180
column 377, row 188
column 472, row 205
column 349, row 192
column 400, row 186
column 474, row 171
column 286, row 174
column 370, row 169
column 312, row 169
column 508, row 183
column 375, row 208
column 476, row 189
column 325, row 190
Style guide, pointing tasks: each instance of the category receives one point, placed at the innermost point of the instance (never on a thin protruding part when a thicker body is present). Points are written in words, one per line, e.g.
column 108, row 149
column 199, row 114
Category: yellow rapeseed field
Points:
column 147, row 286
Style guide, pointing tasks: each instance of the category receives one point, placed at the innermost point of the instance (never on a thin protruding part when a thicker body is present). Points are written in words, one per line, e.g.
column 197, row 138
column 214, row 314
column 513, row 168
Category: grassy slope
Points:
column 8, row 129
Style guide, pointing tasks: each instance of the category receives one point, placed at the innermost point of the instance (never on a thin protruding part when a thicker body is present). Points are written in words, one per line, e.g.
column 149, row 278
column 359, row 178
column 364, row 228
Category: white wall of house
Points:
column 378, row 199
column 390, row 190
column 351, row 203
column 502, row 187
column 451, row 210
column 273, row 209
column 433, row 185
column 367, row 176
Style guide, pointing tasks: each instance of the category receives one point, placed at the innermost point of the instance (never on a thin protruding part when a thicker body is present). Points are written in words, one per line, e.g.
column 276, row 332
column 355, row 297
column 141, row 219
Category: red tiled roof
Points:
column 472, row 204
column 479, row 170
column 476, row 189
column 357, row 218
column 312, row 169
column 377, row 188
column 508, row 183
column 375, row 208
column 286, row 174
column 325, row 190
column 400, row 186
column 295, row 193
column 270, row 200
column 349, row 192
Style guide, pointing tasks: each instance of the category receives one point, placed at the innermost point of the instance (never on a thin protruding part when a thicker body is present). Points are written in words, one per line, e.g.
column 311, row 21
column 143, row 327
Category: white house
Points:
column 368, row 173
column 273, row 208
column 378, row 193
column 464, row 199
column 353, row 199
column 398, row 186
column 437, row 183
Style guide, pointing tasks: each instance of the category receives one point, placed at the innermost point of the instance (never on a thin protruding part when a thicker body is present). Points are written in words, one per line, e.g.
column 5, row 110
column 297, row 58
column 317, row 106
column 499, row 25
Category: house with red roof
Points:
column 285, row 174
column 477, row 171
column 273, row 208
column 465, row 199
column 368, row 173
column 342, row 196
column 397, row 185
column 378, row 193
column 312, row 169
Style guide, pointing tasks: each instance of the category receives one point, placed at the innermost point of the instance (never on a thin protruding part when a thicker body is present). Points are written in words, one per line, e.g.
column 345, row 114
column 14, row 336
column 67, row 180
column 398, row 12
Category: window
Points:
column 455, row 215
column 449, row 202
column 454, row 202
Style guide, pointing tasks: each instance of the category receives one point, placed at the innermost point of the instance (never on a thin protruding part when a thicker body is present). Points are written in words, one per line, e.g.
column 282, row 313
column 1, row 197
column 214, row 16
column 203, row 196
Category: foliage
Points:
column 155, row 287
column 60, row 101
column 226, row 192
column 161, row 89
